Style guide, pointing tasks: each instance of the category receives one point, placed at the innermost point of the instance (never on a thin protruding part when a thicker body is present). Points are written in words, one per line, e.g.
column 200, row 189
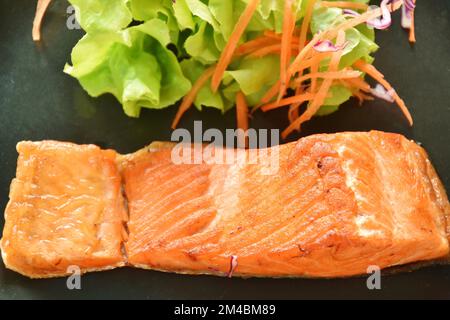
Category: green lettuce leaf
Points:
column 254, row 74
column 93, row 15
column 133, row 64
column 201, row 45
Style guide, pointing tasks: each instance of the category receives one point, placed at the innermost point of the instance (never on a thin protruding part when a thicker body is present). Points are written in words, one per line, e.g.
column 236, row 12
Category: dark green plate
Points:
column 38, row 101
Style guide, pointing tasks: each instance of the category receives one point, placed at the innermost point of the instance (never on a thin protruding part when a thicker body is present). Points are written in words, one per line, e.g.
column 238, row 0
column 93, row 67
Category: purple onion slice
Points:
column 380, row 92
column 328, row 46
column 385, row 20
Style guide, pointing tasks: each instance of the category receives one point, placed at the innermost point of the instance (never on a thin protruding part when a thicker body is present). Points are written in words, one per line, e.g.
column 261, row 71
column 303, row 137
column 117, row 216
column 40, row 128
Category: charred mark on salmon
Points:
column 319, row 164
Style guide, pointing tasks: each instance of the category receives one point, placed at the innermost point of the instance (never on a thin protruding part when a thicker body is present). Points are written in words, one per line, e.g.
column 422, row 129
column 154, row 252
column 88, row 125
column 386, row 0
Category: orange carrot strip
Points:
column 312, row 62
column 305, row 24
column 322, row 94
column 359, row 84
column 264, row 51
column 412, row 30
column 300, row 67
column 232, row 44
column 345, row 5
column 286, row 43
column 254, row 45
column 242, row 116
column 378, row 76
column 314, row 69
column 358, row 93
column 287, row 101
column 271, row 93
column 189, row 99
column 343, row 74
column 362, row 97
column 272, row 49
column 293, row 112
column 303, row 54
column 42, row 6
column 303, row 65
column 272, row 34
column 276, row 36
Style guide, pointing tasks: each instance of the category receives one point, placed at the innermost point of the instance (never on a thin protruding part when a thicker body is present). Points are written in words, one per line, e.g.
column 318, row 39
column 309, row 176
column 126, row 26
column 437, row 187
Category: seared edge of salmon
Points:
column 65, row 208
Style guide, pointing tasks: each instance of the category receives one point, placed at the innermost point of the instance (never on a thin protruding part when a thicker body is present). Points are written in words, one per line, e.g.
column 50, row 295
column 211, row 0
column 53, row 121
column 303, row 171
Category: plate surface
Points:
column 38, row 101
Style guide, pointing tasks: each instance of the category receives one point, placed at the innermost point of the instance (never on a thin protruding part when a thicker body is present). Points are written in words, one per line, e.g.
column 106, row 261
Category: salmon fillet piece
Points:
column 338, row 204
column 65, row 208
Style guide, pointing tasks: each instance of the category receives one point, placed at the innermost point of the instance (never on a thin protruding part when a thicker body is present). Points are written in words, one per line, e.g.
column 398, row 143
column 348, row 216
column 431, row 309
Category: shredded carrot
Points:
column 312, row 62
column 42, row 6
column 288, row 101
column 345, row 5
column 378, row 76
column 293, row 113
column 273, row 35
column 272, row 49
column 189, row 99
column 271, row 93
column 242, row 116
column 303, row 54
column 276, row 36
column 232, row 43
column 306, row 22
column 321, row 94
column 358, row 93
column 301, row 66
column 412, row 30
column 286, row 76
column 298, row 64
column 343, row 74
column 359, row 84
column 362, row 97
column 286, row 44
column 254, row 44
column 314, row 70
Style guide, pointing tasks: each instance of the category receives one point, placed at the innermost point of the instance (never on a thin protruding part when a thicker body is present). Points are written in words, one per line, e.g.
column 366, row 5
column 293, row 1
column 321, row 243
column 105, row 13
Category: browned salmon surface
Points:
column 337, row 204
column 66, row 208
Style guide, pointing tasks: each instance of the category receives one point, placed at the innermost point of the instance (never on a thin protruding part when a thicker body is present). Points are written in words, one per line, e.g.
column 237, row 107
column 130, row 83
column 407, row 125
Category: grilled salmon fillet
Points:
column 336, row 205
column 65, row 208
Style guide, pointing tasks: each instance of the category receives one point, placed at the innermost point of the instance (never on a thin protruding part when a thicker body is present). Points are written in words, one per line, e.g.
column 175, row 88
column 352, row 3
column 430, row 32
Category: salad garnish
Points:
column 250, row 54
